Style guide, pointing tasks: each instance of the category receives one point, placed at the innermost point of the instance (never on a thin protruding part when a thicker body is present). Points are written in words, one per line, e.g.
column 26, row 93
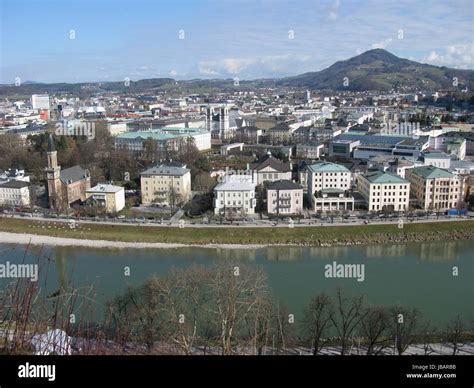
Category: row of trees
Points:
column 98, row 155
column 222, row 309
column 230, row 310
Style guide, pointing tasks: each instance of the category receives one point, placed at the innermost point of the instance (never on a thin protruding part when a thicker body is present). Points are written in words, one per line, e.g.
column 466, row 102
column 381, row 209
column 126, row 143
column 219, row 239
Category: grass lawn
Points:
column 234, row 235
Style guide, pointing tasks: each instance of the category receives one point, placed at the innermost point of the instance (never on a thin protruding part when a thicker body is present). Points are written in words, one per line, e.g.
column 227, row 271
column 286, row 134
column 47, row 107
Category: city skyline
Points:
column 208, row 39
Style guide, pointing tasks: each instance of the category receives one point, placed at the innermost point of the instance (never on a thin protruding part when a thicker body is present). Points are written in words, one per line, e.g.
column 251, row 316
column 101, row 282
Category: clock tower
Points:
column 53, row 172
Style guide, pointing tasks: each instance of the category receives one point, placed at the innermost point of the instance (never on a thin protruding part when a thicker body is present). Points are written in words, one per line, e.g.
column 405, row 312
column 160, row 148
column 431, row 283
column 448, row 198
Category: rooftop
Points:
column 327, row 167
column 14, row 185
column 166, row 169
column 431, row 172
column 383, row 177
column 73, row 174
column 284, row 185
column 104, row 188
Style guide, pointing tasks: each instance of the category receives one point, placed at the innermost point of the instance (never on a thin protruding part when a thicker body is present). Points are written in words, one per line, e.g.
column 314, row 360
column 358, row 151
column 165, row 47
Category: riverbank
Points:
column 133, row 236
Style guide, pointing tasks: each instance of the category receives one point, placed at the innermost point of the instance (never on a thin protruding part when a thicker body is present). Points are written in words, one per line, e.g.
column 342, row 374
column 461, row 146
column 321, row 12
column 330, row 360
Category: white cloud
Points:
column 382, row 44
column 207, row 71
column 173, row 73
column 459, row 56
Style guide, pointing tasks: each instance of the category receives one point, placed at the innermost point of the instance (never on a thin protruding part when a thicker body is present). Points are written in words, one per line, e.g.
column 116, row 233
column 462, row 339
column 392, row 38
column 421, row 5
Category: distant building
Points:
column 13, row 175
column 40, row 101
column 15, row 193
column 309, row 150
column 110, row 197
column 67, row 186
column 384, row 191
column 284, row 197
column 165, row 184
column 167, row 139
column 435, row 188
column 436, row 159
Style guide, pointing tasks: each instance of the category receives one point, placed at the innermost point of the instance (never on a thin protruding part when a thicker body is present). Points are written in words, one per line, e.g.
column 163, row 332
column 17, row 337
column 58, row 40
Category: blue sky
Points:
column 246, row 39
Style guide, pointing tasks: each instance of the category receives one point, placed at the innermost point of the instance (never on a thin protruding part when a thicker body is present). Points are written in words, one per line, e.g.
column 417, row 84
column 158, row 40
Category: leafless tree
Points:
column 236, row 292
column 427, row 337
column 316, row 321
column 455, row 334
column 374, row 327
column 346, row 316
column 403, row 325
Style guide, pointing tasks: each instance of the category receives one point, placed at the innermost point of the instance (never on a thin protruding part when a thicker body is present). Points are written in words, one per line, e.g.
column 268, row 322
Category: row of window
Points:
column 234, row 195
column 229, row 203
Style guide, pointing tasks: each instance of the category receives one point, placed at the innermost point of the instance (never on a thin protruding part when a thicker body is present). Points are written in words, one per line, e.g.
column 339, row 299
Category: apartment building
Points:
column 167, row 184
column 435, row 188
column 384, row 191
column 270, row 169
column 236, row 195
column 15, row 193
column 284, row 197
column 110, row 197
column 327, row 185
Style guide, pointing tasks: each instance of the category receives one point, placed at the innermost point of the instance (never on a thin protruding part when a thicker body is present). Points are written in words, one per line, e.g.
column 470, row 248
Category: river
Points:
column 412, row 274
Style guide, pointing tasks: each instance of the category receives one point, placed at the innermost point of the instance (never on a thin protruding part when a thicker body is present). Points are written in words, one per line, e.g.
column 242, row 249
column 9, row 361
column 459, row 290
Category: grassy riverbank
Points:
column 311, row 235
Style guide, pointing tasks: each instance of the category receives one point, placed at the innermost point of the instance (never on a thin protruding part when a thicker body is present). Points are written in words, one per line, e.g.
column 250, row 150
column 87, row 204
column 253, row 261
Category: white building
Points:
column 284, row 197
column 270, row 169
column 111, row 197
column 40, row 101
column 384, row 191
column 235, row 196
column 327, row 186
column 15, row 193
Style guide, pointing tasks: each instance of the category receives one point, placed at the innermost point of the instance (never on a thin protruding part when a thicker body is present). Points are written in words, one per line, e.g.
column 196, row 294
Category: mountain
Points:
column 28, row 88
column 380, row 70
column 373, row 70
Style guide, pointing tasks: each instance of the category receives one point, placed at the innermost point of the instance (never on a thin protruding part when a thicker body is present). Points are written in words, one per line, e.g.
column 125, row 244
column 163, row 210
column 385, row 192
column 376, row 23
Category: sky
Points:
column 111, row 40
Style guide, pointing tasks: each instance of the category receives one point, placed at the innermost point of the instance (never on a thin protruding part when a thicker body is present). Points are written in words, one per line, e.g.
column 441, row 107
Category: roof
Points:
column 14, row 184
column 269, row 160
column 372, row 139
column 164, row 133
column 328, row 167
column 332, row 191
column 51, row 147
column 235, row 185
column 105, row 188
column 431, row 172
column 383, row 177
column 435, row 155
column 73, row 174
column 284, row 185
column 166, row 169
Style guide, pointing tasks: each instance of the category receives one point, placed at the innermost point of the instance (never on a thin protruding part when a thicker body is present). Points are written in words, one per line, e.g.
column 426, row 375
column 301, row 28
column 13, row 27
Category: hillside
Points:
column 380, row 70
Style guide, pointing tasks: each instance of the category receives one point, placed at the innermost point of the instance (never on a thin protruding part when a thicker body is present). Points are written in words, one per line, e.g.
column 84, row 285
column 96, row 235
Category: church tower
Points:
column 53, row 174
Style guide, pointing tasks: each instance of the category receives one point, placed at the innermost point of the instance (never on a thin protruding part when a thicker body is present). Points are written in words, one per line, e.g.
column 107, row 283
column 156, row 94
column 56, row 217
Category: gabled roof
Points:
column 269, row 160
column 73, row 174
